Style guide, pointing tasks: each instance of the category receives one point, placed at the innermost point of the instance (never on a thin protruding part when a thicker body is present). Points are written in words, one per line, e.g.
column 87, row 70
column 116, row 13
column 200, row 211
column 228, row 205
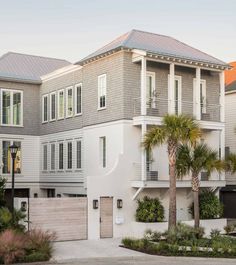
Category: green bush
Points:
column 3, row 182
column 152, row 235
column 7, row 221
column 215, row 233
column 149, row 210
column 229, row 229
column 210, row 206
column 183, row 232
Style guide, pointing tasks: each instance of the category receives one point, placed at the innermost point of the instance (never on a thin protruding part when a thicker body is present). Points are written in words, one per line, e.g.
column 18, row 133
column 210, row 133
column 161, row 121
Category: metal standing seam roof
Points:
column 157, row 44
column 27, row 68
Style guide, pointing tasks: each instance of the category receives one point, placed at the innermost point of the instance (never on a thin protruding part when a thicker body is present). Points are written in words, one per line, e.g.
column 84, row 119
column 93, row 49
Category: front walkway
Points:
column 84, row 249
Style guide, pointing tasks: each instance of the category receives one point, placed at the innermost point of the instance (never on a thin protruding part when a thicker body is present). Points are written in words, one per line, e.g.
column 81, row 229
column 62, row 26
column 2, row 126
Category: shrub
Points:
column 210, row 206
column 7, row 222
column 149, row 210
column 183, row 232
column 229, row 229
column 215, row 233
column 39, row 241
column 12, row 246
column 3, row 182
column 152, row 235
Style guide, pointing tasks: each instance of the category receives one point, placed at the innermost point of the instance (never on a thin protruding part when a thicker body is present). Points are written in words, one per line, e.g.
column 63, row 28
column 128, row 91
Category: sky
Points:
column 72, row 29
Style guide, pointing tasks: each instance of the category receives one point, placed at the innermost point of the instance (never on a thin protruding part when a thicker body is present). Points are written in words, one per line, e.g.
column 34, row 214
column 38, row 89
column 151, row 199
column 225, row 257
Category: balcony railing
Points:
column 158, row 107
column 151, row 171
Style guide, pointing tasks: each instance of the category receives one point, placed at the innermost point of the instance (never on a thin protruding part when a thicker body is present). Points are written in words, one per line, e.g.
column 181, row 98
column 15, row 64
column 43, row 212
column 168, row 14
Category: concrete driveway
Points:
column 83, row 249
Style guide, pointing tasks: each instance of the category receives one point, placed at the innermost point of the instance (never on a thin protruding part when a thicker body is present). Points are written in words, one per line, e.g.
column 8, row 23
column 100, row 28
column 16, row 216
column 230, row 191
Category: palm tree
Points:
column 193, row 160
column 173, row 131
column 230, row 163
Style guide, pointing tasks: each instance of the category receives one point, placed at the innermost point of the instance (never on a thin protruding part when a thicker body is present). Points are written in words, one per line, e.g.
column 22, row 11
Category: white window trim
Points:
column 43, row 97
column 203, row 82
column 67, row 142
column 99, row 77
column 11, row 106
column 51, row 94
column 58, row 104
column 52, row 170
column 44, row 170
column 1, row 156
column 153, row 97
column 179, row 79
column 58, row 157
column 76, row 154
column 67, row 89
column 77, row 85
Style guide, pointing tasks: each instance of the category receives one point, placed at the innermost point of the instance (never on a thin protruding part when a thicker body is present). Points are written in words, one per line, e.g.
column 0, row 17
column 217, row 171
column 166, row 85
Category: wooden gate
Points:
column 67, row 217
column 106, row 217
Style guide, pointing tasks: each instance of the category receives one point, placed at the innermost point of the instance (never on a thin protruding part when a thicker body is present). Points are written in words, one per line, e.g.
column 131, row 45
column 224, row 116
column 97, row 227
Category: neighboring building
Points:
column 228, row 194
column 92, row 117
column 19, row 111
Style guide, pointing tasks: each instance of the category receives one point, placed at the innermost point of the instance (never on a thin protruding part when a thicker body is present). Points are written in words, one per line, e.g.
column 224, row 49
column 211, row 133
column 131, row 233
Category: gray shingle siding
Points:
column 30, row 109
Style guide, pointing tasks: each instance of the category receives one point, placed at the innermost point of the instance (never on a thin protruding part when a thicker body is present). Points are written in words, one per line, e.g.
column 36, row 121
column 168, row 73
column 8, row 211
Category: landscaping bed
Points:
column 184, row 241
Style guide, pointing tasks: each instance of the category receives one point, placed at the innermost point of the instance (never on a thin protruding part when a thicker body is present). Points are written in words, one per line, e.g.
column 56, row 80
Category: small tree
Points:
column 192, row 160
column 2, row 191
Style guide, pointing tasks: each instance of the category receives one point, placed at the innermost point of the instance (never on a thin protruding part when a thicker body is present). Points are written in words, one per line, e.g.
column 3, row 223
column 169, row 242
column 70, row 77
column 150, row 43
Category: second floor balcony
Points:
column 159, row 107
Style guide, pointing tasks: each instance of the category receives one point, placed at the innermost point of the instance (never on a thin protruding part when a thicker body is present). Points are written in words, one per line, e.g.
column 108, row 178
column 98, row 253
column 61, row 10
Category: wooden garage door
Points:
column 106, row 217
column 67, row 217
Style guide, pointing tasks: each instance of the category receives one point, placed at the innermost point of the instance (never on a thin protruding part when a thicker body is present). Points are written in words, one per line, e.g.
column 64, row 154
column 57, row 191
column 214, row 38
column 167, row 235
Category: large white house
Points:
column 79, row 126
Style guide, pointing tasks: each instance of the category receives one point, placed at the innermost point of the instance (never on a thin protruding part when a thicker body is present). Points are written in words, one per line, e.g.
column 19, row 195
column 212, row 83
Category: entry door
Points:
column 150, row 90
column 106, row 217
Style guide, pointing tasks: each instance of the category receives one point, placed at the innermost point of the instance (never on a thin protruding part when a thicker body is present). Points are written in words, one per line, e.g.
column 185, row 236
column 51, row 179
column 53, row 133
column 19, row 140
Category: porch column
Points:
column 196, row 95
column 143, row 159
column 222, row 150
column 143, row 86
column 171, row 87
column 222, row 96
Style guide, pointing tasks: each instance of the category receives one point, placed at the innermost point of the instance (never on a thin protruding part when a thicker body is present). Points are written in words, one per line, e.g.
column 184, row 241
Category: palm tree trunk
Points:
column 195, row 189
column 172, row 148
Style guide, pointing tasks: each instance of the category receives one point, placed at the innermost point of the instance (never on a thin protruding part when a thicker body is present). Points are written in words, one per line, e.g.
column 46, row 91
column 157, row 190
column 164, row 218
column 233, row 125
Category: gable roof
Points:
column 157, row 44
column 27, row 68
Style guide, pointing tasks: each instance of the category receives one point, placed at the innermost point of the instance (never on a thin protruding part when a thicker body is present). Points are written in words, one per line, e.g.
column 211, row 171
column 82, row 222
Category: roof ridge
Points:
column 142, row 31
column 33, row 55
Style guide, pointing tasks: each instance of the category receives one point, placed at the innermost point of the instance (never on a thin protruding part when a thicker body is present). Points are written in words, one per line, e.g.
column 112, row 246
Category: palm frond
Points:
column 230, row 163
column 154, row 137
column 183, row 161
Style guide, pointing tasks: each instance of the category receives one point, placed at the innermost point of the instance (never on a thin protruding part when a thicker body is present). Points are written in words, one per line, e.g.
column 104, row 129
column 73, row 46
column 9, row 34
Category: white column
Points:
column 143, row 158
column 222, row 96
column 222, row 150
column 143, row 86
column 197, row 100
column 171, row 87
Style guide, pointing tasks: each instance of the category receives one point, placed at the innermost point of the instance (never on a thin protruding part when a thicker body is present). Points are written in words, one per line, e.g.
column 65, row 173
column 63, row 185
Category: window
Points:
column 69, row 102
column 52, row 106
column 45, row 108
column 12, row 107
column 69, row 155
column 177, row 95
column 78, row 154
column 45, row 157
column 78, row 99
column 103, row 151
column 102, row 87
column 61, row 156
column 53, row 156
column 61, row 104
column 151, row 90
column 6, row 157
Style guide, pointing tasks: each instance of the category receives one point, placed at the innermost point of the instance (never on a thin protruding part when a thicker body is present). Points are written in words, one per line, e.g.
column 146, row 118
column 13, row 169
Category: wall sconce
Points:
column 95, row 204
column 23, row 206
column 119, row 204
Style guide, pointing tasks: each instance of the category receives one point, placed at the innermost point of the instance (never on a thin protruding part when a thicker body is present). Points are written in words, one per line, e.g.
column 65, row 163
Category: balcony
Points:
column 153, row 180
column 158, row 107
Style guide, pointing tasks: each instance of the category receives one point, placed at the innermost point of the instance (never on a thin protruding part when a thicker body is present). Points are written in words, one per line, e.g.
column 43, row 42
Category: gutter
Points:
column 20, row 80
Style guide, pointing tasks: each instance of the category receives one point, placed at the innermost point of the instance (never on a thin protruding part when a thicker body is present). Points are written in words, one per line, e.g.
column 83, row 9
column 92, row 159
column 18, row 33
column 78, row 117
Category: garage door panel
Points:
column 67, row 217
